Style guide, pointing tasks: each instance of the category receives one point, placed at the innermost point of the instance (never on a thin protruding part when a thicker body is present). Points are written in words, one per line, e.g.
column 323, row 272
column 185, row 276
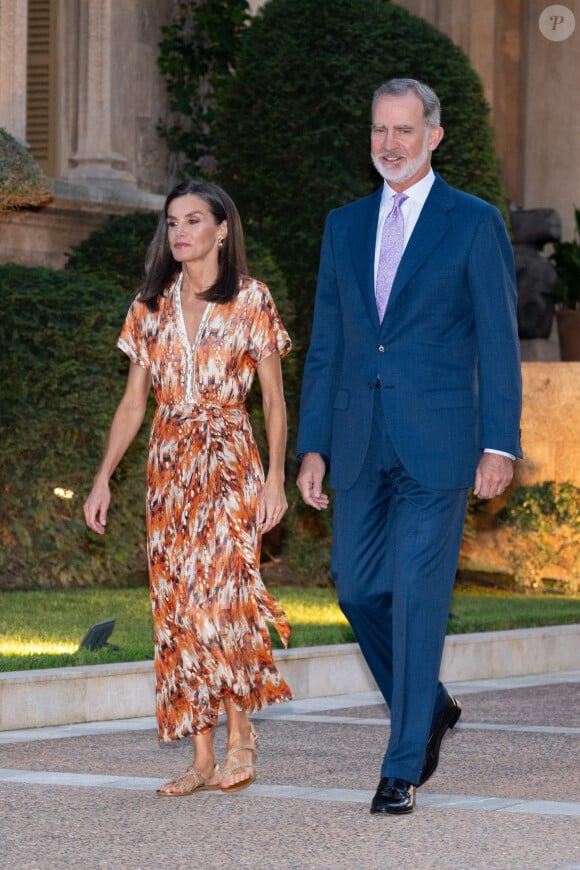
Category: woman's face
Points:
column 192, row 231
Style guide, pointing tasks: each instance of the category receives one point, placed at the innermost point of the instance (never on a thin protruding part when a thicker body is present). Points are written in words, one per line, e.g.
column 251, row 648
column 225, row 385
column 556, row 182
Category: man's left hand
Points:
column 494, row 473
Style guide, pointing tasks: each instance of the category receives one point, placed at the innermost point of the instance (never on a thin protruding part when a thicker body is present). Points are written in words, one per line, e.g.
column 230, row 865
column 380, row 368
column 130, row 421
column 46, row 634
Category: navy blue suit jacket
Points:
column 446, row 353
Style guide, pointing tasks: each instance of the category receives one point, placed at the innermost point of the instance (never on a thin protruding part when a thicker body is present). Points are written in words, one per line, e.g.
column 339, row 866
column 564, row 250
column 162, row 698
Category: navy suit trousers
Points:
column 395, row 550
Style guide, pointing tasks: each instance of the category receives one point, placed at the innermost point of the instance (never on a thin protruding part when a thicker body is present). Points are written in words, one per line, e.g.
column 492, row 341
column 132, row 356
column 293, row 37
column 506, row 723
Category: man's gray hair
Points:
column 428, row 97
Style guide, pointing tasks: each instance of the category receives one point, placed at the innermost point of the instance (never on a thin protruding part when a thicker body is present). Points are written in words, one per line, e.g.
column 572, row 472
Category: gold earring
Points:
column 220, row 243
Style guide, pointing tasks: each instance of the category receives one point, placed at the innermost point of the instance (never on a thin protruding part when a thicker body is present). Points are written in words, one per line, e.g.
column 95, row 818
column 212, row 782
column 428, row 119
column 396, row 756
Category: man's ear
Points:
column 435, row 136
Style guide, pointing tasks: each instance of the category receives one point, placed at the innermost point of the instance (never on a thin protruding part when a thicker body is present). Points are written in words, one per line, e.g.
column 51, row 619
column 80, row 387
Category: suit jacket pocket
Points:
column 436, row 399
column 341, row 400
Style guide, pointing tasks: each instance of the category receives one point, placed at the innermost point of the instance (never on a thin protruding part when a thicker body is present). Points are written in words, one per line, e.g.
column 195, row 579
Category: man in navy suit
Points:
column 409, row 408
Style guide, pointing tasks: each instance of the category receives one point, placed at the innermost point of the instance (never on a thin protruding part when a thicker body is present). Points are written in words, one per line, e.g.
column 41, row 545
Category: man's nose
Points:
column 390, row 140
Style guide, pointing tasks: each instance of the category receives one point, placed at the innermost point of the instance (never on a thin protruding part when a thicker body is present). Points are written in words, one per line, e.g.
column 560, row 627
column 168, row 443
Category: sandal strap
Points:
column 197, row 776
column 243, row 747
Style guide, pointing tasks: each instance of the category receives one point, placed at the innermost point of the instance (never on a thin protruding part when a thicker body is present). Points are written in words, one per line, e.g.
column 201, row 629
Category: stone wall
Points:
column 550, row 423
column 43, row 237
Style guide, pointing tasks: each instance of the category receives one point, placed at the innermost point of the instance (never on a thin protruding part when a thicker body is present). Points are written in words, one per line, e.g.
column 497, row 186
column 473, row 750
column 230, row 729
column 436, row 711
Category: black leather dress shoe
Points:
column 446, row 718
column 393, row 796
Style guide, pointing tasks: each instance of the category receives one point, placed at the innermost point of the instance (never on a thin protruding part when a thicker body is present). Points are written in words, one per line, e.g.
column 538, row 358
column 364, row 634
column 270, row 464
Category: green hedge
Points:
column 116, row 250
column 293, row 127
column 61, row 379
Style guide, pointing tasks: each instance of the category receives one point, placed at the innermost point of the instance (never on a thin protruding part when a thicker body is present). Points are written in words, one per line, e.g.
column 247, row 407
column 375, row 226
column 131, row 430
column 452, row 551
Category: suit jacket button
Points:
column 381, row 348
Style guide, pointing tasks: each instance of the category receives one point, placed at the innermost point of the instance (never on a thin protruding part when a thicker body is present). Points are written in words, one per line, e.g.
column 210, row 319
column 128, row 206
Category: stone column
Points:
column 94, row 158
column 13, row 27
column 551, row 129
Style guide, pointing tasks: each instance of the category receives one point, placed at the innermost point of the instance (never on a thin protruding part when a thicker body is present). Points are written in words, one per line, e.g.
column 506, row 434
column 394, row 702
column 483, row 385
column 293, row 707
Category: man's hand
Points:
column 310, row 479
column 493, row 474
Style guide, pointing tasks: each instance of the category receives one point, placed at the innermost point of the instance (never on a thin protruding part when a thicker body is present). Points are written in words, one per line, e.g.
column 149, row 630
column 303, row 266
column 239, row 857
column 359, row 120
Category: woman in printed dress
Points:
column 197, row 332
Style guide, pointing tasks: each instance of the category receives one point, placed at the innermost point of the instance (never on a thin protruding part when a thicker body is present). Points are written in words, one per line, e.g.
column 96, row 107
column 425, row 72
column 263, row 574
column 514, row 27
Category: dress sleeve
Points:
column 268, row 333
column 132, row 339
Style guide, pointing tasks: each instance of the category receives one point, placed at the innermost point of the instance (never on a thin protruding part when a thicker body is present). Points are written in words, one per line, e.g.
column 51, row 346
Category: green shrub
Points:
column 116, row 250
column 566, row 260
column 293, row 126
column 61, row 378
column 22, row 182
column 544, row 535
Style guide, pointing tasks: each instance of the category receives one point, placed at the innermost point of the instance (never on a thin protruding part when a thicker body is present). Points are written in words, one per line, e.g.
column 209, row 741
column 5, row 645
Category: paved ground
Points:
column 506, row 795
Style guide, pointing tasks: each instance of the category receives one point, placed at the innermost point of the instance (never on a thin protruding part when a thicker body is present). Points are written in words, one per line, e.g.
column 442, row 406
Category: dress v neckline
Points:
column 181, row 319
column 189, row 348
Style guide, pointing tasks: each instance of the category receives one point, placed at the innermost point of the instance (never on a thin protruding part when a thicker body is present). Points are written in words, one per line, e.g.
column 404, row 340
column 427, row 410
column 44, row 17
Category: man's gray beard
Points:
column 410, row 169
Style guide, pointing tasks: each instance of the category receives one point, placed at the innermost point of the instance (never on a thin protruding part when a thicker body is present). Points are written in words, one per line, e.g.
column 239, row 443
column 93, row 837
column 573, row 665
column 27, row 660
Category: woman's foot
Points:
column 192, row 780
column 240, row 767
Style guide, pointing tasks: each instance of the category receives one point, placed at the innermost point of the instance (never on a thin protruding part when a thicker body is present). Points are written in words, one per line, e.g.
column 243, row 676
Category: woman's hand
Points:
column 272, row 504
column 126, row 423
column 97, row 506
column 272, row 501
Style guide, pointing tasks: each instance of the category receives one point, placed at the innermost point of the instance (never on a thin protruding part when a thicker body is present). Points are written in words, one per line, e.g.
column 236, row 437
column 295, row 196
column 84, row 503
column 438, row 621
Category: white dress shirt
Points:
column 411, row 209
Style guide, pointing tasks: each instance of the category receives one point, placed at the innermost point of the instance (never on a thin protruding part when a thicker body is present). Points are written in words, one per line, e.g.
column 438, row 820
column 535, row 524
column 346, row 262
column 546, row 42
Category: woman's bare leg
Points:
column 240, row 733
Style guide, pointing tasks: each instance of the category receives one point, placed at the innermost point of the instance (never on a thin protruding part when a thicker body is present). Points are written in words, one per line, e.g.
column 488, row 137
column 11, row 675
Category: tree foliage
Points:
column 293, row 126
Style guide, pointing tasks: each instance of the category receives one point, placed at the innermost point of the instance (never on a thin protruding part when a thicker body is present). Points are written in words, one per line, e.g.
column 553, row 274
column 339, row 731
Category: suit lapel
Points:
column 362, row 238
column 432, row 225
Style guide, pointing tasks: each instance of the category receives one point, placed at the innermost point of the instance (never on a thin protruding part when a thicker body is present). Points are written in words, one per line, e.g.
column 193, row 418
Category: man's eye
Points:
column 377, row 128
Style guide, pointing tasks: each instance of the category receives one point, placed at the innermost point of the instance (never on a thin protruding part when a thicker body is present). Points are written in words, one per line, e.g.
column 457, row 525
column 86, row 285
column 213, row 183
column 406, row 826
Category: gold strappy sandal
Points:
column 233, row 766
column 192, row 780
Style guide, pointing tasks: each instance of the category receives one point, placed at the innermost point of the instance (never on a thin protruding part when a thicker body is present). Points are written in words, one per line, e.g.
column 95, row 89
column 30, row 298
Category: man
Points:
column 412, row 394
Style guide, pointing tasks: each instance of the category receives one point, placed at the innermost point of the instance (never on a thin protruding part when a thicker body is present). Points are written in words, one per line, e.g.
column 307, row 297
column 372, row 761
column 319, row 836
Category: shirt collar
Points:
column 418, row 192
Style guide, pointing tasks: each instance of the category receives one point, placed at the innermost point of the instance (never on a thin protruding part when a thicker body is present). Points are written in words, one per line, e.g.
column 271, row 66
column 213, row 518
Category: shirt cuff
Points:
column 499, row 452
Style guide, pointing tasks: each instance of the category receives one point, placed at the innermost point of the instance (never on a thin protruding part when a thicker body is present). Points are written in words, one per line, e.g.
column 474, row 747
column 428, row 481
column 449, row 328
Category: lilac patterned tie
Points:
column 390, row 253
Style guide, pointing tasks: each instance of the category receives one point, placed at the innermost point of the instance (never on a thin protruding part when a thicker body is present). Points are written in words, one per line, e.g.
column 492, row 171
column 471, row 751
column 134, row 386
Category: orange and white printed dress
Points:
column 204, row 473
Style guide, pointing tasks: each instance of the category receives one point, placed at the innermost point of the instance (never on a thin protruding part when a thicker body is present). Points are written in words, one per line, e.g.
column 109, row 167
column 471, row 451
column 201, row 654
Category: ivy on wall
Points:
column 198, row 51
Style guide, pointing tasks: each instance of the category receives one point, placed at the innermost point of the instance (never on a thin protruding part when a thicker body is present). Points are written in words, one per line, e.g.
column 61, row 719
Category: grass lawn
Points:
column 44, row 629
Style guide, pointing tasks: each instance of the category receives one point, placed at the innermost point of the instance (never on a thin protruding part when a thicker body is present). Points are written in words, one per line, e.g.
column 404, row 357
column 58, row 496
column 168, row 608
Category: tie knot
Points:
column 399, row 199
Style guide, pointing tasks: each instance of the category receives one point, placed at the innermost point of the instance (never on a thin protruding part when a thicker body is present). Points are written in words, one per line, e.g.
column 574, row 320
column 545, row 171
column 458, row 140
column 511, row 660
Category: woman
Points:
column 197, row 331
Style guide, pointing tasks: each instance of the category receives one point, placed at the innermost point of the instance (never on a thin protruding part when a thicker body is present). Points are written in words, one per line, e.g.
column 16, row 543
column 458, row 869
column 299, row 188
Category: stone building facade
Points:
column 81, row 86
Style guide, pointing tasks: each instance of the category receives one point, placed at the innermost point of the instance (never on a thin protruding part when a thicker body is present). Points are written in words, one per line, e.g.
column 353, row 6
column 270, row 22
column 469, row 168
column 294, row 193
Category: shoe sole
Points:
column 392, row 812
column 187, row 793
column 239, row 786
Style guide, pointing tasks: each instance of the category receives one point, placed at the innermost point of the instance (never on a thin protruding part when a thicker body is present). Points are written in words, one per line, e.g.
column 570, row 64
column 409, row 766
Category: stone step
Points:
column 62, row 696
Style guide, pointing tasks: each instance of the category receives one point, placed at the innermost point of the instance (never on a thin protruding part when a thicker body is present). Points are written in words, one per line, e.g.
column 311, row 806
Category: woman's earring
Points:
column 220, row 244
